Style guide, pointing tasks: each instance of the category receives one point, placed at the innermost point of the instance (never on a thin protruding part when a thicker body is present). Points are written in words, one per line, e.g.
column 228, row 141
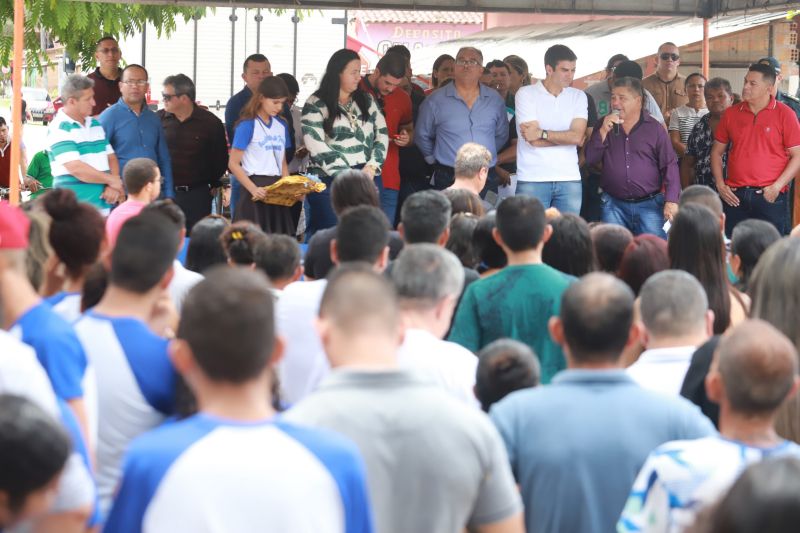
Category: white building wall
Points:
column 317, row 39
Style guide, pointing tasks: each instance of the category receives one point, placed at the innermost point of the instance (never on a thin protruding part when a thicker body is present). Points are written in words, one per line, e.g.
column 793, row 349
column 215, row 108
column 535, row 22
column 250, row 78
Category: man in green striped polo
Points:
column 80, row 156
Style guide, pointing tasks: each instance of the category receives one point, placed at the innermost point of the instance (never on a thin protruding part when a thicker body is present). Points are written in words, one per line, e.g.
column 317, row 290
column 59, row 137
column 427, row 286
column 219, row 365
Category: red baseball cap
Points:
column 14, row 226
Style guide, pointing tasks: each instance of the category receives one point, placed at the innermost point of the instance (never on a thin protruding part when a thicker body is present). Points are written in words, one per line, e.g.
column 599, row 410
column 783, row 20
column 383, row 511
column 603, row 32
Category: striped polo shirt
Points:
column 69, row 140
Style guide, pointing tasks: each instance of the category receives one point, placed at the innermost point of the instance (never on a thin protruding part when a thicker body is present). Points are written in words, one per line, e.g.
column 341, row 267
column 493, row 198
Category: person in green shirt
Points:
column 39, row 169
column 518, row 301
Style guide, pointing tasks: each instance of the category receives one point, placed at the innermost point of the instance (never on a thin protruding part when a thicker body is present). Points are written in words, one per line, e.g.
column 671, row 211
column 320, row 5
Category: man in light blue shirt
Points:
column 134, row 130
column 461, row 112
column 576, row 445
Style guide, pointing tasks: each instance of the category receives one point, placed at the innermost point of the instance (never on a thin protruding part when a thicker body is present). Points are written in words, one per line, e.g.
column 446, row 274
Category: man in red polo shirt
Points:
column 396, row 107
column 763, row 136
column 107, row 76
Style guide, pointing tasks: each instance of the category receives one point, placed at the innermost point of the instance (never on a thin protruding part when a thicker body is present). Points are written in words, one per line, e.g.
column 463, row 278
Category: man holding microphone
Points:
column 638, row 164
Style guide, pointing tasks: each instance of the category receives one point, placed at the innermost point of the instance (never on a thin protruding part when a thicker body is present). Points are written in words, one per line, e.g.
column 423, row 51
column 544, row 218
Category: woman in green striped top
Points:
column 342, row 129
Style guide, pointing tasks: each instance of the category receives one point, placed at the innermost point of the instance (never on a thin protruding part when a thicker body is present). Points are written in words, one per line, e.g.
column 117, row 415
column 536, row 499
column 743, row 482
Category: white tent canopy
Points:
column 673, row 8
column 592, row 41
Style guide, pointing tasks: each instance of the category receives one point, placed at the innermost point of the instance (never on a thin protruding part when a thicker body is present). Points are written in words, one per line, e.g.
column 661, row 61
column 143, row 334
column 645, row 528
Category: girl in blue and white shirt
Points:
column 257, row 157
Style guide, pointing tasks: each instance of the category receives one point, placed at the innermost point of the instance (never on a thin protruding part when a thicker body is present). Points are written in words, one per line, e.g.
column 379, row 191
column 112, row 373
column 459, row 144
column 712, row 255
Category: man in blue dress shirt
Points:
column 461, row 112
column 576, row 445
column 256, row 68
column 134, row 130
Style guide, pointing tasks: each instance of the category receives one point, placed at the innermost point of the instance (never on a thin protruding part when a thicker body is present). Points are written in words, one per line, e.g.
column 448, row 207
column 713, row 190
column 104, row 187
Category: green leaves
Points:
column 79, row 25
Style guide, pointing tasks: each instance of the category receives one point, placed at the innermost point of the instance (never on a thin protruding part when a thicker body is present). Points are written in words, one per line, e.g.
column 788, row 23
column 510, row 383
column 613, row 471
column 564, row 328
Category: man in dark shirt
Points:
column 107, row 76
column 256, row 68
column 197, row 147
column 638, row 161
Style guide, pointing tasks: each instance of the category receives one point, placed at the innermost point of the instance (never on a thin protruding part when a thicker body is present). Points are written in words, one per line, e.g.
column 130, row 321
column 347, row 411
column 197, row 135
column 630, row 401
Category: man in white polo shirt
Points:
column 676, row 320
column 427, row 303
column 551, row 122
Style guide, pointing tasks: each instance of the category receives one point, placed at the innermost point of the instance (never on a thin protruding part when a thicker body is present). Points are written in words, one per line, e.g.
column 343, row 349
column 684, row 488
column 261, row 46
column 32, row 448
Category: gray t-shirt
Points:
column 433, row 464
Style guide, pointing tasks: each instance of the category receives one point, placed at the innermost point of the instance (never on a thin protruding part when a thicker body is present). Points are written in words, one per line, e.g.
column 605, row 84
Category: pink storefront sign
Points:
column 381, row 36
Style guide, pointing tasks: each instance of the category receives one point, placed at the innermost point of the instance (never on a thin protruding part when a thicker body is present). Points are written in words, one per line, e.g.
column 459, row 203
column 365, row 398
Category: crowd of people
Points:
column 517, row 306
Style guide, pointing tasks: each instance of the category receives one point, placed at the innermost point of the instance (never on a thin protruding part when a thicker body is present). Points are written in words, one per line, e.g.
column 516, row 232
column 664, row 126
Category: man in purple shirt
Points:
column 638, row 164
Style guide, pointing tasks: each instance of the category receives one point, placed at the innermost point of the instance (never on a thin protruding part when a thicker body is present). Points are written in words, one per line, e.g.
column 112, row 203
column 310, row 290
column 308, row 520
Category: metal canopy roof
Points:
column 673, row 8
column 592, row 40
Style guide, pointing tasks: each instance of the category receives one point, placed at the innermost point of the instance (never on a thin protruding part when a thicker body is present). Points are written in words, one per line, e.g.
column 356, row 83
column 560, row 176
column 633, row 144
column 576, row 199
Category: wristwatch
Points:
column 544, row 135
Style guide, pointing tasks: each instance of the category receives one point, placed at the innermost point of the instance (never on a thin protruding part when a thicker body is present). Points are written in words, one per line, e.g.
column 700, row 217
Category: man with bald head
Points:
column 666, row 83
column 754, row 371
column 576, row 444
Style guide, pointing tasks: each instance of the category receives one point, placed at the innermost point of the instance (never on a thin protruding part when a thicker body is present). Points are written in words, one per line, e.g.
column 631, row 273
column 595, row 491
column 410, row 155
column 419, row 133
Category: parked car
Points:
column 40, row 106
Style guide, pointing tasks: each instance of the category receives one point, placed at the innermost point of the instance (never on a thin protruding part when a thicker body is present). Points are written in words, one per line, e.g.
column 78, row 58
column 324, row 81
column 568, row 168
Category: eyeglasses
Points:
column 467, row 63
column 666, row 57
column 168, row 97
column 137, row 83
column 108, row 50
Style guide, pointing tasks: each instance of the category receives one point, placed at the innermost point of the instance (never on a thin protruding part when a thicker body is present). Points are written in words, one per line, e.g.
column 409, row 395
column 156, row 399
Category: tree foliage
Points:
column 79, row 25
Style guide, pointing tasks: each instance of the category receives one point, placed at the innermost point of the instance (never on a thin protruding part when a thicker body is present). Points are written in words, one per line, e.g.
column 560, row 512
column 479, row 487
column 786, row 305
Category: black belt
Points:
column 642, row 199
column 747, row 188
column 187, row 188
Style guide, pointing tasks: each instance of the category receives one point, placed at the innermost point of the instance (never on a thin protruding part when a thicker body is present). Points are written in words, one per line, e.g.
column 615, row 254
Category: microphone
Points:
column 616, row 124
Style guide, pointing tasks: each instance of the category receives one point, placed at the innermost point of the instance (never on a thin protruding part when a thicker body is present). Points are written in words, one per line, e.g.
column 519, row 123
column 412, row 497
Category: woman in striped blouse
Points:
column 342, row 129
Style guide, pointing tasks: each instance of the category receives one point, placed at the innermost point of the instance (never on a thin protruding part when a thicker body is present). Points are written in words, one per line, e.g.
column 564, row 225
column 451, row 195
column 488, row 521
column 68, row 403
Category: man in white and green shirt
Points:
column 80, row 156
column 754, row 371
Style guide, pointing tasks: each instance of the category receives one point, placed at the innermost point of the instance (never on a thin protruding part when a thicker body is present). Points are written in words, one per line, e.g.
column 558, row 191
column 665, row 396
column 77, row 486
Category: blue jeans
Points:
column 566, row 196
column 388, row 199
column 640, row 217
column 753, row 205
column 319, row 212
column 236, row 191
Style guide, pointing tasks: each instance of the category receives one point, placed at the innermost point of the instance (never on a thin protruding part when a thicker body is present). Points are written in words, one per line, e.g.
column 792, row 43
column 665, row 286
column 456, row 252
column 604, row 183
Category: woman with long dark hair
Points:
column 775, row 291
column 342, row 129
column 695, row 245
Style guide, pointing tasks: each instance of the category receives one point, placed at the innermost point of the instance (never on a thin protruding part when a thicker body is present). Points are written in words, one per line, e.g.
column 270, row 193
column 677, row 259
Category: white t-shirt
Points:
column 182, row 282
column 556, row 113
column 450, row 365
column 22, row 375
column 205, row 474
column 66, row 304
column 304, row 362
column 264, row 145
column 663, row 369
column 135, row 388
